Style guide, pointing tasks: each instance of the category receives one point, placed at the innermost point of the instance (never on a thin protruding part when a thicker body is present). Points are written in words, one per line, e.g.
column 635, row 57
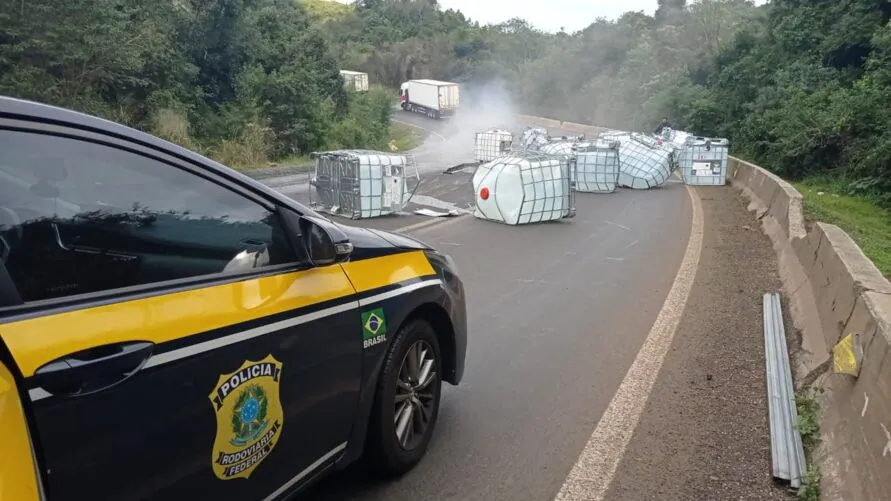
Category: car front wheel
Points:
column 407, row 401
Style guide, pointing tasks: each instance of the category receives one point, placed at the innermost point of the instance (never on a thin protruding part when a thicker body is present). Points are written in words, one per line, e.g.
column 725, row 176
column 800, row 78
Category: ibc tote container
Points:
column 596, row 166
column 643, row 162
column 492, row 144
column 558, row 148
column 360, row 183
column 534, row 138
column 525, row 187
column 703, row 161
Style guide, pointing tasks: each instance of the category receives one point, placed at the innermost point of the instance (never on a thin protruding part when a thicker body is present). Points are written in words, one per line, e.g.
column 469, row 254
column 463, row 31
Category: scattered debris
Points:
column 787, row 450
column 433, row 213
column 847, row 355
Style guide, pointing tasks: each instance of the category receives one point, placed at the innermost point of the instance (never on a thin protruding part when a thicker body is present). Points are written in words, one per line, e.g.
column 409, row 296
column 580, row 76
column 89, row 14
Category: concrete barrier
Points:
column 831, row 289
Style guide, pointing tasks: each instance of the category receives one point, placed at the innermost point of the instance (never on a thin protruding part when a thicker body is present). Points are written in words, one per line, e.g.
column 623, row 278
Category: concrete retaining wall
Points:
column 832, row 289
column 847, row 294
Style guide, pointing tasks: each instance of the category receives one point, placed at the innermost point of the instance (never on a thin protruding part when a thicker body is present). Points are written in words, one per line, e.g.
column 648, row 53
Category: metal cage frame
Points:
column 340, row 189
column 530, row 156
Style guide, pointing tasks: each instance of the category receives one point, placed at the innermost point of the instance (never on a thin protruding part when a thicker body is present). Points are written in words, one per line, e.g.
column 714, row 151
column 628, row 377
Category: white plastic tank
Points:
column 361, row 183
column 534, row 137
column 596, row 166
column 615, row 135
column 525, row 187
column 561, row 148
column 644, row 162
column 492, row 144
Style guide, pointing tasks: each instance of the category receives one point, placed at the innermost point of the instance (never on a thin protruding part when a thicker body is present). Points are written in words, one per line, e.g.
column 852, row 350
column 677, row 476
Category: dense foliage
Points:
column 802, row 87
column 242, row 80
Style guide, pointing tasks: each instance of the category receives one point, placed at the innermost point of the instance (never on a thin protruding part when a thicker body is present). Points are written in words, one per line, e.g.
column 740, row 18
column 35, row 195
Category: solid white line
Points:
column 309, row 469
column 437, row 134
column 593, row 472
column 195, row 349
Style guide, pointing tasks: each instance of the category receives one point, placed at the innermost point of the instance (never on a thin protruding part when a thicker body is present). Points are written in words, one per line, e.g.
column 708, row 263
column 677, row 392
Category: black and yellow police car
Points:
column 171, row 329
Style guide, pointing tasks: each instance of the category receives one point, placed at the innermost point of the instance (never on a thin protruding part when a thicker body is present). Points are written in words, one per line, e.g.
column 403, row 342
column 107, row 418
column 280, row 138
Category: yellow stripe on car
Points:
column 169, row 317
column 18, row 476
column 370, row 274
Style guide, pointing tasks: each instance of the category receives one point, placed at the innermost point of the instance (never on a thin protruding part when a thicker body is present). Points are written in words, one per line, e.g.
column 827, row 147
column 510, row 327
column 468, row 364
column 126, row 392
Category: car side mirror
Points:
column 324, row 243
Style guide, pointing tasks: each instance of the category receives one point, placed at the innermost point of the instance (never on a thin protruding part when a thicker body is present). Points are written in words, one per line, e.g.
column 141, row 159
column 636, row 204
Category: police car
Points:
column 171, row 329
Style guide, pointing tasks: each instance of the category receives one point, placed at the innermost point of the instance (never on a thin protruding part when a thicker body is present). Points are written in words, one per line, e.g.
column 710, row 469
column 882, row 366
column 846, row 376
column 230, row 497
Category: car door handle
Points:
column 93, row 370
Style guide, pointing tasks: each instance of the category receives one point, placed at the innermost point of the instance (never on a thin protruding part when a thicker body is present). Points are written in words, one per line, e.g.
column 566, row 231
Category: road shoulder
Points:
column 704, row 433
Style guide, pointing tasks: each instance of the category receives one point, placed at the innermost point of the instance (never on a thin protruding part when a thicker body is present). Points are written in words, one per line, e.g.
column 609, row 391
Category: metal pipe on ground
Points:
column 787, row 450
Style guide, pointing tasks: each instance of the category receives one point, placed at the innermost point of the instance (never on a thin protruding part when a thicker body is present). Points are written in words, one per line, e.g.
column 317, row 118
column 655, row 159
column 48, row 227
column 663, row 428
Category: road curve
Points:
column 557, row 313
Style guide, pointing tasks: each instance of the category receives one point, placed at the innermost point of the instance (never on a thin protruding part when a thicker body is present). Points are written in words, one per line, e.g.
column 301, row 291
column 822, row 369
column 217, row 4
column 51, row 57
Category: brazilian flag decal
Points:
column 374, row 327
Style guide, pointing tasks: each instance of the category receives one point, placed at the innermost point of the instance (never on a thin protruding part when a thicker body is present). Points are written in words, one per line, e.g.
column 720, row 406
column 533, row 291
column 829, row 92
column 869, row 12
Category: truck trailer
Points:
column 431, row 97
column 355, row 80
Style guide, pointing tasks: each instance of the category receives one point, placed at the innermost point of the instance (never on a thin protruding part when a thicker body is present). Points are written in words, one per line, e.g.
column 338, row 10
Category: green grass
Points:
column 809, row 426
column 325, row 10
column 860, row 216
column 404, row 137
column 401, row 138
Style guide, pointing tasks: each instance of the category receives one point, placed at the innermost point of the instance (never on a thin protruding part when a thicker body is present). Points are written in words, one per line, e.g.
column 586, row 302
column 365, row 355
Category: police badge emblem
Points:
column 249, row 417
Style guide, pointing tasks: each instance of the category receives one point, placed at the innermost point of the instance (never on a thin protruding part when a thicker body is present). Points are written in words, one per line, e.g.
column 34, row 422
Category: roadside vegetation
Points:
column 404, row 137
column 802, row 88
column 860, row 214
column 809, row 426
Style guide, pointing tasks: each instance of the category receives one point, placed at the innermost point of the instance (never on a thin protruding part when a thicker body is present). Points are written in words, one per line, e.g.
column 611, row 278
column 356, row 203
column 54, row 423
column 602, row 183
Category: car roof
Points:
column 11, row 107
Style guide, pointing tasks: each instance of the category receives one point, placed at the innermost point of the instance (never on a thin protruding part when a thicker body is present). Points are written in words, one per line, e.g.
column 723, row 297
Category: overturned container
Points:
column 492, row 144
column 703, row 161
column 644, row 162
column 596, row 166
column 361, row 183
column 525, row 187
column 560, row 147
column 534, row 138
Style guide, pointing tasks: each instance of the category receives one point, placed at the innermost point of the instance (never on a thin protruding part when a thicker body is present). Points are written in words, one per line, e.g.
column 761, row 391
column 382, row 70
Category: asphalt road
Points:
column 557, row 313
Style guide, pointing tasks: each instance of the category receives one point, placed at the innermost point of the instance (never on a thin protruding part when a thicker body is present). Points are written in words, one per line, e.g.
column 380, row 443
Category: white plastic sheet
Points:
column 362, row 183
column 644, row 162
column 492, row 144
column 525, row 187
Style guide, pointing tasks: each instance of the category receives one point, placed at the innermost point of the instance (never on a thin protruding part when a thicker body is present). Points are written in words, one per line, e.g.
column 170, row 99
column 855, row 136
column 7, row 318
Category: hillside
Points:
column 803, row 88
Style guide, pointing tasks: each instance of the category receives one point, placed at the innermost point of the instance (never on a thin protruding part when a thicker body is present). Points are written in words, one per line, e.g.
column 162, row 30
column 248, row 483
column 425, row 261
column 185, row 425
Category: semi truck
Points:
column 433, row 98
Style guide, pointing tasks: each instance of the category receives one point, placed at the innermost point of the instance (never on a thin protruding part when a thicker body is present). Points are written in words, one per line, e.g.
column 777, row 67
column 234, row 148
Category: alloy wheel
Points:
column 415, row 394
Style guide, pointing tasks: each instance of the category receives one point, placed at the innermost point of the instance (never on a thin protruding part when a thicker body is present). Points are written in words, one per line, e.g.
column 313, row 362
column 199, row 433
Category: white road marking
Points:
column 437, row 134
column 632, row 244
column 593, row 472
column 617, row 225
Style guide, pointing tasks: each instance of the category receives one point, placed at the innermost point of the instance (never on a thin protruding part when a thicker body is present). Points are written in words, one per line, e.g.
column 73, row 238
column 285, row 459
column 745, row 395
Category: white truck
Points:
column 355, row 80
column 430, row 97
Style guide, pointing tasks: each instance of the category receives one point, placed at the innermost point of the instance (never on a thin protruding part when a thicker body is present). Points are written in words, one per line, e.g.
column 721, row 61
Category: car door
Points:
column 175, row 344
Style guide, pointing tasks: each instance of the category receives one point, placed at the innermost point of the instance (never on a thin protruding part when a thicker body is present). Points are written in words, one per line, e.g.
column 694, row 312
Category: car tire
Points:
column 386, row 453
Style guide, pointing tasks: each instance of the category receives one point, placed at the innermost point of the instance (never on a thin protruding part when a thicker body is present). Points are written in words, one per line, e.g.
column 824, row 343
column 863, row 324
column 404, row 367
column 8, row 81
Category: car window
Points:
column 78, row 217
